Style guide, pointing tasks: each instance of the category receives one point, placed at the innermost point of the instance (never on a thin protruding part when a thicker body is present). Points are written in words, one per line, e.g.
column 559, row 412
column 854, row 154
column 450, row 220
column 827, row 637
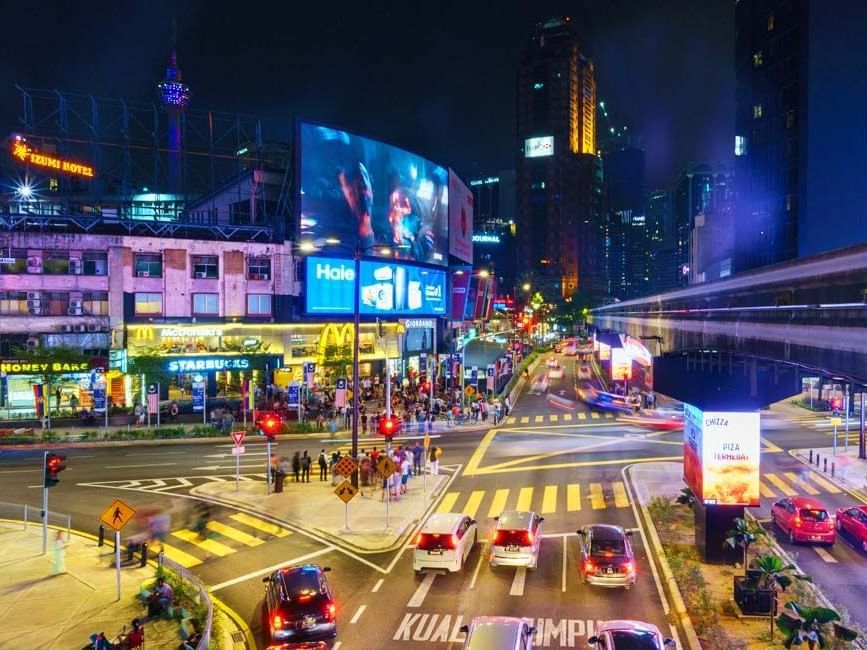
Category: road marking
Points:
column 448, row 502
column 597, row 497
column 210, row 545
column 234, row 534
column 781, row 485
column 582, row 416
column 258, row 524
column 147, row 465
column 472, row 506
column 357, row 614
column 553, row 417
column 766, row 491
column 825, row 555
column 177, row 555
column 573, row 497
column 770, row 447
column 827, row 485
column 263, row 572
column 525, row 498
column 539, row 418
column 377, row 585
column 525, row 419
column 518, row 582
column 154, row 453
column 337, row 645
column 567, row 417
column 608, row 415
column 479, row 453
column 499, row 503
column 510, row 419
column 620, row 498
column 420, row 593
column 563, row 589
column 594, row 415
column 549, row 499
column 19, row 471
column 806, row 487
column 478, row 566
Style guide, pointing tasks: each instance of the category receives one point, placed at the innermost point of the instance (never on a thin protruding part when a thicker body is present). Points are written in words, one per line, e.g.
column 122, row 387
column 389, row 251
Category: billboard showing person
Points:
column 372, row 195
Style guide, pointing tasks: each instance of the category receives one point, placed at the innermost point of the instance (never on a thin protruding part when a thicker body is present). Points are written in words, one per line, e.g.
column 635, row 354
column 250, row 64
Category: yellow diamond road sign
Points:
column 426, row 442
column 117, row 515
column 345, row 491
column 385, row 466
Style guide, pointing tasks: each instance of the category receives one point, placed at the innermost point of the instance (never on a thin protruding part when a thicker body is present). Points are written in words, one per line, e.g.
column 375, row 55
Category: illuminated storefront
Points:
column 72, row 383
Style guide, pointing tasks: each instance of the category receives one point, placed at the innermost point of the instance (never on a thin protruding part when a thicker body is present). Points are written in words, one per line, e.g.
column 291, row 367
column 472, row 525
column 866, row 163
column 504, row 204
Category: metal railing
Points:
column 30, row 515
column 204, row 598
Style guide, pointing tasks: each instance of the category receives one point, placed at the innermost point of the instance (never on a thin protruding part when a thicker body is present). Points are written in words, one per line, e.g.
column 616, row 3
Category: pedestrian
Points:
column 323, row 466
column 434, row 458
column 430, row 422
column 306, row 461
column 363, row 419
column 173, row 411
column 405, row 471
column 60, row 553
column 417, row 452
column 296, row 466
column 139, row 414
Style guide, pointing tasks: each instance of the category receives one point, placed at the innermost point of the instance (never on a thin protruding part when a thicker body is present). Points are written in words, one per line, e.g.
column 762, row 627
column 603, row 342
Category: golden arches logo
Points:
column 338, row 334
column 144, row 334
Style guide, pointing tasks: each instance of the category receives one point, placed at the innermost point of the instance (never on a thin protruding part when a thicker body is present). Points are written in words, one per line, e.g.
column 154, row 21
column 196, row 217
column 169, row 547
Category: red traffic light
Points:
column 389, row 426
column 270, row 424
column 54, row 464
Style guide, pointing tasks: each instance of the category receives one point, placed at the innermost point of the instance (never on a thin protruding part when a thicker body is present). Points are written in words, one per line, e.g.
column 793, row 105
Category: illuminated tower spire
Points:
column 174, row 96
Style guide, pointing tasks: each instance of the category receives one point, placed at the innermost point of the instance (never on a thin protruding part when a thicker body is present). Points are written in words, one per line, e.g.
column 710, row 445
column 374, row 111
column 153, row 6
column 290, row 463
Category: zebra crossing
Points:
column 773, row 485
column 559, row 417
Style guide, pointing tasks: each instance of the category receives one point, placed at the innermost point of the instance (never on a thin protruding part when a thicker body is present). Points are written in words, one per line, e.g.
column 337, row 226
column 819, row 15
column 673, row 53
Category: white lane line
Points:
column 271, row 569
column 36, row 486
column 357, row 614
column 148, row 465
column 478, row 567
column 420, row 593
column 19, row 471
column 675, row 636
column 377, row 585
column 337, row 645
column 825, row 555
column 155, row 453
column 564, row 566
column 518, row 583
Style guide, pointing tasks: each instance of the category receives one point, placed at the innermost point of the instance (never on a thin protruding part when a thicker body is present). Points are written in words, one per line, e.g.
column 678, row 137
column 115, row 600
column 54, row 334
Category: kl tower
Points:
column 174, row 96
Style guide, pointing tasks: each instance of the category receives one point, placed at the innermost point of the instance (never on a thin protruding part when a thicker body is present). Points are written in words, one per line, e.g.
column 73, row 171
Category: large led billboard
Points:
column 460, row 219
column 372, row 195
column 539, row 147
column 387, row 288
column 721, row 456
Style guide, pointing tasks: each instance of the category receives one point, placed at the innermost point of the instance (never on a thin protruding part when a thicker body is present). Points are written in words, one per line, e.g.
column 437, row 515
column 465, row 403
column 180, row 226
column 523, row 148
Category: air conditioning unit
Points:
column 75, row 267
column 34, row 309
column 75, row 311
column 201, row 275
column 34, row 304
column 33, row 295
column 66, row 328
column 33, row 342
column 34, row 264
column 93, row 327
column 80, row 328
column 143, row 274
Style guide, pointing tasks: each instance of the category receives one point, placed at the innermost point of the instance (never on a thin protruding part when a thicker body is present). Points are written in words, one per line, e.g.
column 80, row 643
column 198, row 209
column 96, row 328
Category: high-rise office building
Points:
column 800, row 130
column 559, row 176
column 626, row 251
column 494, row 227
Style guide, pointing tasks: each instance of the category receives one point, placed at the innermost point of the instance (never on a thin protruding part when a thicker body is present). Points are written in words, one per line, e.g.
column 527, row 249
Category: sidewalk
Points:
column 316, row 508
column 850, row 472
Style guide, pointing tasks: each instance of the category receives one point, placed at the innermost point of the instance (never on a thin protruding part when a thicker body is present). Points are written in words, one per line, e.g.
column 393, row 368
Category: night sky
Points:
column 437, row 77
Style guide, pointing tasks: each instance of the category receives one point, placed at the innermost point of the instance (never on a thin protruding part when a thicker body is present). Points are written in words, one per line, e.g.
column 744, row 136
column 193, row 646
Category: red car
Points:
column 804, row 519
column 853, row 520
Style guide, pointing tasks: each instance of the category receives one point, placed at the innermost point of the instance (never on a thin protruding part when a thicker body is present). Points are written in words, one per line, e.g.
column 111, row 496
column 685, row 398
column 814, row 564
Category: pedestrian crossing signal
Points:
column 389, row 426
column 270, row 425
column 54, row 464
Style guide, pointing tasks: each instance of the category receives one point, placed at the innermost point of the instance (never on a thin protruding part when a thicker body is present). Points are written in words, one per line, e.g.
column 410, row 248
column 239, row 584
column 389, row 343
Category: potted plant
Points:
column 769, row 575
column 686, row 498
column 801, row 623
column 743, row 534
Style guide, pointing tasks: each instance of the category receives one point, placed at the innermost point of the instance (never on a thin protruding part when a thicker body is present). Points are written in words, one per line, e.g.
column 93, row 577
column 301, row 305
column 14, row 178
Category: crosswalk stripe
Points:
column 499, row 503
column 582, row 416
column 448, row 502
column 549, row 499
column 608, row 415
column 573, row 497
column 594, row 415
column 766, row 491
column 806, row 487
column 553, row 417
column 525, row 498
column 525, row 419
column 473, row 503
column 259, row 524
column 620, row 498
column 177, row 555
column 825, row 555
column 567, row 417
column 234, row 534
column 510, row 419
column 827, row 485
column 597, row 498
column 781, row 485
column 539, row 418
column 210, row 545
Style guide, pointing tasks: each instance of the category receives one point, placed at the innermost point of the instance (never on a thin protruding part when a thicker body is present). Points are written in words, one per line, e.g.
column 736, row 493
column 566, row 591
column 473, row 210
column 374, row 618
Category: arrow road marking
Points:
column 420, row 593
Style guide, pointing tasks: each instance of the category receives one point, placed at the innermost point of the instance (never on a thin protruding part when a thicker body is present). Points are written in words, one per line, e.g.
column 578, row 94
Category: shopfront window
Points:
column 13, row 303
column 95, row 303
column 55, row 303
column 94, row 263
column 148, row 304
column 148, row 265
column 55, row 262
column 258, row 268
column 206, row 304
column 19, row 265
column 205, row 266
column 258, row 304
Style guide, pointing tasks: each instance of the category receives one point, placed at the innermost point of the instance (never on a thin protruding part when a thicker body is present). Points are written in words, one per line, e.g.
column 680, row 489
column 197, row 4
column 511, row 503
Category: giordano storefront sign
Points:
column 23, row 367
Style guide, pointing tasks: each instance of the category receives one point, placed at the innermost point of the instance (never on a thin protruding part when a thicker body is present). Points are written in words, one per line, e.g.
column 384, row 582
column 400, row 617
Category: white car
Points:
column 555, row 372
column 517, row 539
column 498, row 633
column 552, row 362
column 444, row 542
column 584, row 372
column 629, row 635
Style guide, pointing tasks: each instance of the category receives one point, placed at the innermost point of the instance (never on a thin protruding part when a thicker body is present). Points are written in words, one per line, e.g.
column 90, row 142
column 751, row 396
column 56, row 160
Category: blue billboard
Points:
column 387, row 288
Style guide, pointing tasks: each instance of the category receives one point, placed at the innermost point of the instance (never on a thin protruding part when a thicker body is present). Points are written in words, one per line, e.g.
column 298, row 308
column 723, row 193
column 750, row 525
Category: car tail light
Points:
column 452, row 542
column 528, row 538
column 627, row 567
column 796, row 522
column 497, row 538
column 276, row 621
column 589, row 567
column 418, row 539
column 330, row 611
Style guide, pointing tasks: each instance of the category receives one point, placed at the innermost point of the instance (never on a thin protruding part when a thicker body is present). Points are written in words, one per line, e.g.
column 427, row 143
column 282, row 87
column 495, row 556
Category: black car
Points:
column 299, row 605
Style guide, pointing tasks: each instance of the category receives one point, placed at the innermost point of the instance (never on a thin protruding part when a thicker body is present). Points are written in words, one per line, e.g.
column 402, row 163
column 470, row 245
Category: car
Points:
column 555, row 372
column 498, row 633
column 584, row 372
column 804, row 519
column 444, row 542
column 607, row 559
column 629, row 635
column 516, row 539
column 552, row 362
column 299, row 605
column 853, row 521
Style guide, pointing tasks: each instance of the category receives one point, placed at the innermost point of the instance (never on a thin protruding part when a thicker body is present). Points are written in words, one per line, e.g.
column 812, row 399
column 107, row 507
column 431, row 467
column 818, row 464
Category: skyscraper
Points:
column 800, row 130
column 627, row 256
column 174, row 95
column 559, row 177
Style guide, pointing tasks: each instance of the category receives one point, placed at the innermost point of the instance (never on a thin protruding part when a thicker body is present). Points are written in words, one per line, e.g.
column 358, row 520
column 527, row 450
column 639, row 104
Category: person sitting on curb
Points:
column 160, row 599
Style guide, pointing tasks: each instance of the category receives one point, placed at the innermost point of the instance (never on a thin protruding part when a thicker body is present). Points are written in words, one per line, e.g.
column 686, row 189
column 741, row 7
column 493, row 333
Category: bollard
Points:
column 129, row 551
column 144, row 555
column 825, row 466
column 811, row 457
column 101, row 535
column 817, row 459
column 832, row 469
column 160, row 559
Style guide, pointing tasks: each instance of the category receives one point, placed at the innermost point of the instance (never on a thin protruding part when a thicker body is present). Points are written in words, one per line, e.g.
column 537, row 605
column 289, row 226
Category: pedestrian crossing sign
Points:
column 117, row 515
column 345, row 491
column 385, row 466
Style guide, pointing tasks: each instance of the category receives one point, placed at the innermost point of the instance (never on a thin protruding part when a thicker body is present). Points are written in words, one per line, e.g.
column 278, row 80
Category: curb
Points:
column 797, row 454
column 668, row 580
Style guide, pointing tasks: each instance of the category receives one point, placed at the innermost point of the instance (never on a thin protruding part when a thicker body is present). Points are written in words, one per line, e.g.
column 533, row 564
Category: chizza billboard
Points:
column 721, row 456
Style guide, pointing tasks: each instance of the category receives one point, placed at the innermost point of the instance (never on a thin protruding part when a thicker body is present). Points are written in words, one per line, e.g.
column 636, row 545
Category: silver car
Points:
column 607, row 559
column 517, row 539
column 498, row 633
column 613, row 635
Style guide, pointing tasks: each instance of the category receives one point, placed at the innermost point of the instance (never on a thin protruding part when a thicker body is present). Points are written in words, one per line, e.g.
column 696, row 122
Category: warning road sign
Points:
column 238, row 437
column 426, row 442
column 385, row 466
column 346, row 491
column 345, row 466
column 117, row 515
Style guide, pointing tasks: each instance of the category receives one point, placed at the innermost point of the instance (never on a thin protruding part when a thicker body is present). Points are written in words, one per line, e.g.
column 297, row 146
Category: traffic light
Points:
column 54, row 464
column 270, row 425
column 389, row 426
column 836, row 403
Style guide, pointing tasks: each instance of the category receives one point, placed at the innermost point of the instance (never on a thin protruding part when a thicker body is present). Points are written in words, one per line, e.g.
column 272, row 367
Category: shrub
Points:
column 661, row 510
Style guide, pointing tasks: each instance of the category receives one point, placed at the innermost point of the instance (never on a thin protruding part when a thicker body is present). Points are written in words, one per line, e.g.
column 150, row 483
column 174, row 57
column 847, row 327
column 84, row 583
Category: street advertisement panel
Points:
column 621, row 365
column 198, row 393
column 99, row 395
column 371, row 195
column 539, row 147
column 387, row 288
column 460, row 292
column 721, row 456
column 460, row 219
column 293, row 395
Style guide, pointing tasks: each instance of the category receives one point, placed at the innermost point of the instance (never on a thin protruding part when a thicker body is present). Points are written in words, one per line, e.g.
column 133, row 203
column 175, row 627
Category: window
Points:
column 771, row 23
column 94, row 263
column 258, row 268
column 206, row 303
column 20, row 261
column 258, row 304
column 758, row 59
column 791, row 119
column 55, row 262
column 148, row 304
column 13, row 303
column 148, row 265
column 757, row 111
column 740, row 145
column 205, row 266
column 95, row 303
column 55, row 303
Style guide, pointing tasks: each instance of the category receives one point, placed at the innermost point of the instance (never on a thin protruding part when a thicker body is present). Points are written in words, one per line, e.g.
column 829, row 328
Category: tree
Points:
column 774, row 575
column 802, row 623
column 686, row 498
column 151, row 367
column 337, row 359
column 743, row 534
